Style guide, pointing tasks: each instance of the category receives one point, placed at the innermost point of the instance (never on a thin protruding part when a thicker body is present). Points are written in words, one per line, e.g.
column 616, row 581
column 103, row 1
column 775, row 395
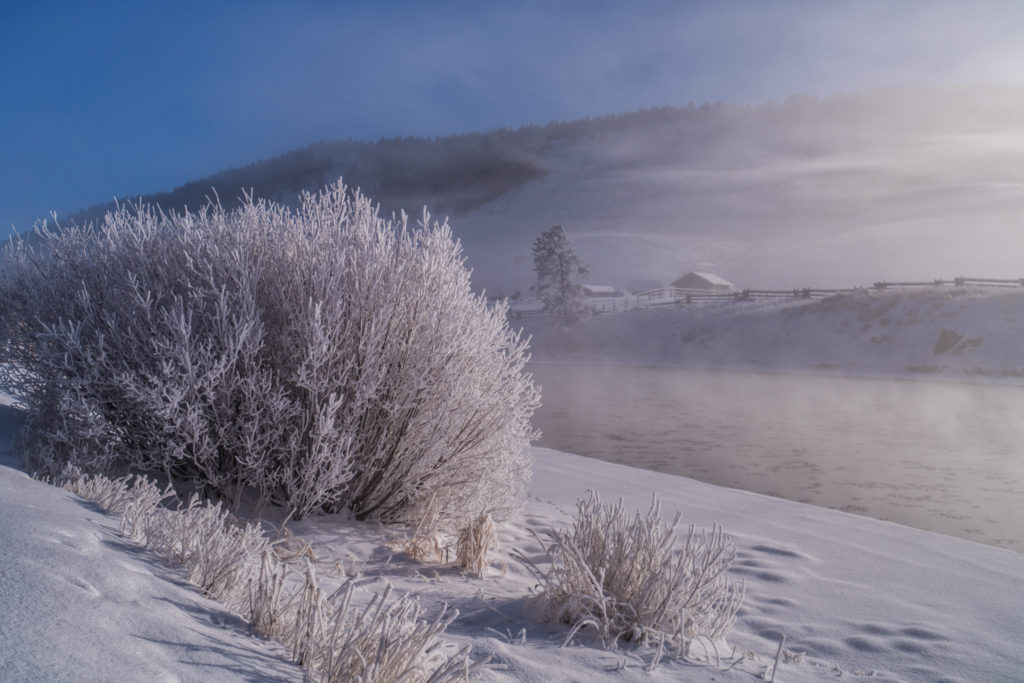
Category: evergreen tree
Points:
column 558, row 266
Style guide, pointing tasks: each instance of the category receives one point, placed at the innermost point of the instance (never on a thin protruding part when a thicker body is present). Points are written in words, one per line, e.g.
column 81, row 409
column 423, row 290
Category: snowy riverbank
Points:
column 858, row 597
column 962, row 334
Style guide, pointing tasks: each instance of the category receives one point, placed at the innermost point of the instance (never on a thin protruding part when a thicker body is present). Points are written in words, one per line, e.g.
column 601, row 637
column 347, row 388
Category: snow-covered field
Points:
column 948, row 333
column 857, row 597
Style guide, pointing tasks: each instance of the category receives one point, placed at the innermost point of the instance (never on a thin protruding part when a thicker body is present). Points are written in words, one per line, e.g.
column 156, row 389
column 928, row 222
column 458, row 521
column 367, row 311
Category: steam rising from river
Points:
column 939, row 456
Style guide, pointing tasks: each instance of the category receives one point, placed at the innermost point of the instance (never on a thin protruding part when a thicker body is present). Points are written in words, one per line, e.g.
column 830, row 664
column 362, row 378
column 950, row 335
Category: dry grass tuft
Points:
column 475, row 543
column 426, row 544
column 627, row 579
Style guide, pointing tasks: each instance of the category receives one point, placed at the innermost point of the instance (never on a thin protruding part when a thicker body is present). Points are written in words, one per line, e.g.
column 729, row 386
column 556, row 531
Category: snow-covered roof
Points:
column 714, row 279
column 599, row 289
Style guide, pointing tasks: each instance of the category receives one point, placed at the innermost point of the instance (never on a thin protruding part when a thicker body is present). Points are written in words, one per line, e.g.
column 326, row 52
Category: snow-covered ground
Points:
column 854, row 597
column 859, row 598
column 80, row 603
column 952, row 333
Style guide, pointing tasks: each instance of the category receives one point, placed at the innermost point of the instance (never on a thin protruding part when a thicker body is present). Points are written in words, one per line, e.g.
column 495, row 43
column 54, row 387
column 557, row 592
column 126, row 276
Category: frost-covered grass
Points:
column 475, row 544
column 129, row 496
column 217, row 552
column 332, row 635
column 627, row 579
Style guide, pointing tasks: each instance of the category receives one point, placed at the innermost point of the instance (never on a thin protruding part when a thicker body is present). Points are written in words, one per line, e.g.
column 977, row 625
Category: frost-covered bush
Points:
column 630, row 580
column 324, row 357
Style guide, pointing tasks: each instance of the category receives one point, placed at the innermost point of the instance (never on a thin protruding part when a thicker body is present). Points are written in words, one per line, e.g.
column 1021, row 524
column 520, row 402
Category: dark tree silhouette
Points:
column 558, row 266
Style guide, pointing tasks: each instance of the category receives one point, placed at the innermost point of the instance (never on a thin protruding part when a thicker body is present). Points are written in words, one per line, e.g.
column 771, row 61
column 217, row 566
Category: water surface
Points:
column 946, row 457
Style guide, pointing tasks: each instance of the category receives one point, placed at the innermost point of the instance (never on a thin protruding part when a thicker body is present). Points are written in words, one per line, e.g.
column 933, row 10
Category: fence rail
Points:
column 956, row 282
column 673, row 296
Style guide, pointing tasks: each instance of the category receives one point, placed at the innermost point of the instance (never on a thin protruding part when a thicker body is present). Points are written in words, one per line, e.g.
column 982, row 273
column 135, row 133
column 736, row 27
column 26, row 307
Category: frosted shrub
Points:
column 323, row 357
column 628, row 578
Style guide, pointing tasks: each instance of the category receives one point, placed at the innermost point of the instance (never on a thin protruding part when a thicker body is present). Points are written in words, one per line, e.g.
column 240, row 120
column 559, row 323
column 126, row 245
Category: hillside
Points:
column 886, row 184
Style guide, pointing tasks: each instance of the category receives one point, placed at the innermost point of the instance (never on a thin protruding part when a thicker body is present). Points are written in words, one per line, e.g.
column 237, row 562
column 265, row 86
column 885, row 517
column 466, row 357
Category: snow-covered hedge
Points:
column 324, row 357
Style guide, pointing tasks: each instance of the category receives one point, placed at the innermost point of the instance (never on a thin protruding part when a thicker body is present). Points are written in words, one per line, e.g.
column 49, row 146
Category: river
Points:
column 946, row 457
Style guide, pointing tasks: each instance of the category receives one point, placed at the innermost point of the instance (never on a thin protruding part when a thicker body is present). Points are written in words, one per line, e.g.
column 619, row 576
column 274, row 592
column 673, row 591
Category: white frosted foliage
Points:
column 325, row 358
column 629, row 579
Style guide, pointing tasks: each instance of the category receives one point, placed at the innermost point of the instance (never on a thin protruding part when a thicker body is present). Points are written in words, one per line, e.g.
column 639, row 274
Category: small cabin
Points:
column 706, row 281
column 599, row 291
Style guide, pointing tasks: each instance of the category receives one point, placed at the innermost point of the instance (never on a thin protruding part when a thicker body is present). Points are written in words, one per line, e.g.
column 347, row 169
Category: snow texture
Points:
column 82, row 603
column 854, row 597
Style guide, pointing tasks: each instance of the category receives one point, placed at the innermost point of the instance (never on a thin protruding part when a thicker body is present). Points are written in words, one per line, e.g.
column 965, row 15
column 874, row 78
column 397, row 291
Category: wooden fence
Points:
column 955, row 282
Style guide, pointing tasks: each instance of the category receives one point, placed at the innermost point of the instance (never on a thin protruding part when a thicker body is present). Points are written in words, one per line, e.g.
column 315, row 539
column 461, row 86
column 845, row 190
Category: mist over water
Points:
column 945, row 457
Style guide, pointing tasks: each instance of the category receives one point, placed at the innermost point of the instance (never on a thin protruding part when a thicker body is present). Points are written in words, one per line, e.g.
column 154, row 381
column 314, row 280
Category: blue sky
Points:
column 99, row 100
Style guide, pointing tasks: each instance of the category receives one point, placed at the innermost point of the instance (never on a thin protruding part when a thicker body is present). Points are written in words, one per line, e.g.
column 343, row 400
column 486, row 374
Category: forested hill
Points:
column 888, row 184
column 452, row 175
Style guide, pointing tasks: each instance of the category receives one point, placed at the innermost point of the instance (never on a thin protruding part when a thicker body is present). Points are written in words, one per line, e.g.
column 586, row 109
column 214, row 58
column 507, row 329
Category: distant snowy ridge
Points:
column 834, row 192
column 963, row 333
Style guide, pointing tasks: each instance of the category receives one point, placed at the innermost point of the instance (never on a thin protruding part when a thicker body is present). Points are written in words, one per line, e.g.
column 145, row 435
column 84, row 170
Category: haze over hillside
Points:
column 888, row 184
